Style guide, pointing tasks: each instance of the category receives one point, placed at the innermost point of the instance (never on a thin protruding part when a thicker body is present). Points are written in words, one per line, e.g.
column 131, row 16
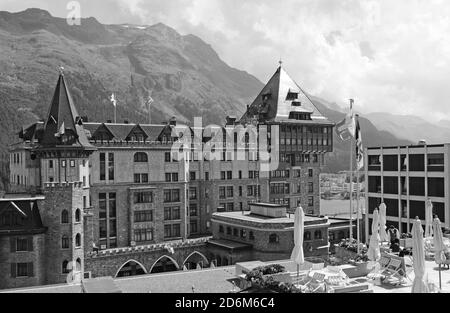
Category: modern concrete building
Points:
column 405, row 178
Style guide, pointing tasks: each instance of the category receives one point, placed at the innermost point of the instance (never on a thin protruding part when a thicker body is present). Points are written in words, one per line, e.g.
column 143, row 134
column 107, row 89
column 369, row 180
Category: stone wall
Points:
column 109, row 262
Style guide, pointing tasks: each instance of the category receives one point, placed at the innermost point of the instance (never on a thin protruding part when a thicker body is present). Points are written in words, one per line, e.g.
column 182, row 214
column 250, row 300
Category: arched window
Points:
column 273, row 238
column 65, row 268
column 78, row 216
column 318, row 234
column 251, row 236
column 65, row 242
column 64, row 217
column 78, row 240
column 78, row 265
column 307, row 236
column 140, row 157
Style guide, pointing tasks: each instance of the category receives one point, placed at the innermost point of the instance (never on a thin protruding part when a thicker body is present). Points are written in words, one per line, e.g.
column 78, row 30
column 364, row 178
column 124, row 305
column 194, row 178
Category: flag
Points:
column 113, row 100
column 359, row 145
column 345, row 129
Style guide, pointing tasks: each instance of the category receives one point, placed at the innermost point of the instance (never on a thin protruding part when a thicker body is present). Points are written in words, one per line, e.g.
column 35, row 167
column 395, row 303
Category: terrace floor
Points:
column 216, row 281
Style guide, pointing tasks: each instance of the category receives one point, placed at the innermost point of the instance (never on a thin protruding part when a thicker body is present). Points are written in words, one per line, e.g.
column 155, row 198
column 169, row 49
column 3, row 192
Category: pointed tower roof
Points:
column 62, row 118
column 279, row 98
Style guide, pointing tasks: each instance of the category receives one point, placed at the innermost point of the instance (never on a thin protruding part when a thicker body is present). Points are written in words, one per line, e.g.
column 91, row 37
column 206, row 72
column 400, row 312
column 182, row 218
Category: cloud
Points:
column 391, row 56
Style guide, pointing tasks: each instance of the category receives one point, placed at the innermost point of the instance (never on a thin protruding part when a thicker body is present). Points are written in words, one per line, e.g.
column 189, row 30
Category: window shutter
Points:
column 13, row 270
column 30, row 243
column 13, row 243
column 30, row 269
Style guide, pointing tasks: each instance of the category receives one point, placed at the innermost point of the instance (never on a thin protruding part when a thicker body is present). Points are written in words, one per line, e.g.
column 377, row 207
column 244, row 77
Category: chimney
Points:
column 109, row 121
column 125, row 122
column 231, row 120
column 173, row 121
column 85, row 118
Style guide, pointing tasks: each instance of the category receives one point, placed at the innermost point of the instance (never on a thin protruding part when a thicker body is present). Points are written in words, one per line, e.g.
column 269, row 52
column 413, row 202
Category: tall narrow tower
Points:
column 63, row 152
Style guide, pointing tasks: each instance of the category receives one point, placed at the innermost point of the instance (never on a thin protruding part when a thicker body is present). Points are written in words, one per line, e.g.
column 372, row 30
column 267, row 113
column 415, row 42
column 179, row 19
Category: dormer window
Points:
column 292, row 96
column 266, row 97
column 300, row 116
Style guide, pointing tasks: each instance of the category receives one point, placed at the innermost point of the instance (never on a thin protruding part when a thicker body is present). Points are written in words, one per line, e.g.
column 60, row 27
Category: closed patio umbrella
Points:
column 382, row 219
column 429, row 219
column 374, row 253
column 297, row 253
column 439, row 247
column 419, row 284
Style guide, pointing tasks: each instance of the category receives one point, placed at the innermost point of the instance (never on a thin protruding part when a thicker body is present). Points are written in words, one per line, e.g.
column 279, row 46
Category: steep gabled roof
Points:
column 28, row 214
column 274, row 104
column 63, row 116
column 137, row 129
column 122, row 131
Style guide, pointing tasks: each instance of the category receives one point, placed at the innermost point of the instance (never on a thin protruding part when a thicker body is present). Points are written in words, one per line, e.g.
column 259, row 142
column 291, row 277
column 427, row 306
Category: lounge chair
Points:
column 317, row 281
column 394, row 270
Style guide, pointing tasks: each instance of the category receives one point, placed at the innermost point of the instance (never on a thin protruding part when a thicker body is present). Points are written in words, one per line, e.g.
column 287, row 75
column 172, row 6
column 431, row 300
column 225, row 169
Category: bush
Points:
column 351, row 245
column 256, row 277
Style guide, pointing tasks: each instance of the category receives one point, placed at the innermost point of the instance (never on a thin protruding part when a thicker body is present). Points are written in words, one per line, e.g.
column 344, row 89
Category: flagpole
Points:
column 149, row 113
column 357, row 208
column 351, row 178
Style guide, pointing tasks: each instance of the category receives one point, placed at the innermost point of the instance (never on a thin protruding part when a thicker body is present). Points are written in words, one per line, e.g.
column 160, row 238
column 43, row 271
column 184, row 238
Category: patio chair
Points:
column 335, row 280
column 318, row 280
column 395, row 269
column 384, row 262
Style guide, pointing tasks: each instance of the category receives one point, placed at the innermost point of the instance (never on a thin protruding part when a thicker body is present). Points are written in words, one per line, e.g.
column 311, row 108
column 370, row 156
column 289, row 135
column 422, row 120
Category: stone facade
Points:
column 35, row 256
column 60, row 197
column 110, row 262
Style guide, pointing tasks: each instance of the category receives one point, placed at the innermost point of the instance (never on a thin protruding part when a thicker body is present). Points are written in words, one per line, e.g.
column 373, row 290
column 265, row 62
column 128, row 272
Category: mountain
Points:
column 182, row 73
column 412, row 128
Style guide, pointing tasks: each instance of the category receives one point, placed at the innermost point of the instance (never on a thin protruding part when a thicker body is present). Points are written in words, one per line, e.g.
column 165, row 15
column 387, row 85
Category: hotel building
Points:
column 405, row 178
column 125, row 187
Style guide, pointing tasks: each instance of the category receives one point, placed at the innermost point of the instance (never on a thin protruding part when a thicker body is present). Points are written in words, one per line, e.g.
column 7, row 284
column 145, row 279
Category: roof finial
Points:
column 280, row 62
column 61, row 70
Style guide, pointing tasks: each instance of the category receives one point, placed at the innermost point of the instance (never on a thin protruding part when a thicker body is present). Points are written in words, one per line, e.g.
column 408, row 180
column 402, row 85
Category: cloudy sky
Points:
column 388, row 55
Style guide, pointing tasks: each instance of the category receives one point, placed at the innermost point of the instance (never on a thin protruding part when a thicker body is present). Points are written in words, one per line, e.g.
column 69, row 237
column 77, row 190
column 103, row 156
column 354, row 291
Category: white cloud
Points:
column 389, row 55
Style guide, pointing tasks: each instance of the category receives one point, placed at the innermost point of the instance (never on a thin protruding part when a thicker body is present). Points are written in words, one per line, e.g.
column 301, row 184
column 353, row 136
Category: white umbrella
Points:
column 439, row 247
column 428, row 219
column 297, row 253
column 382, row 219
column 374, row 253
column 419, row 284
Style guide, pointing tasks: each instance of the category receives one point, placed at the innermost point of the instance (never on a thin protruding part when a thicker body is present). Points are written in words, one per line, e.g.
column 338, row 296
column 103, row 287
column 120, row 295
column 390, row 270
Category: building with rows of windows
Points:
column 405, row 178
column 130, row 187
